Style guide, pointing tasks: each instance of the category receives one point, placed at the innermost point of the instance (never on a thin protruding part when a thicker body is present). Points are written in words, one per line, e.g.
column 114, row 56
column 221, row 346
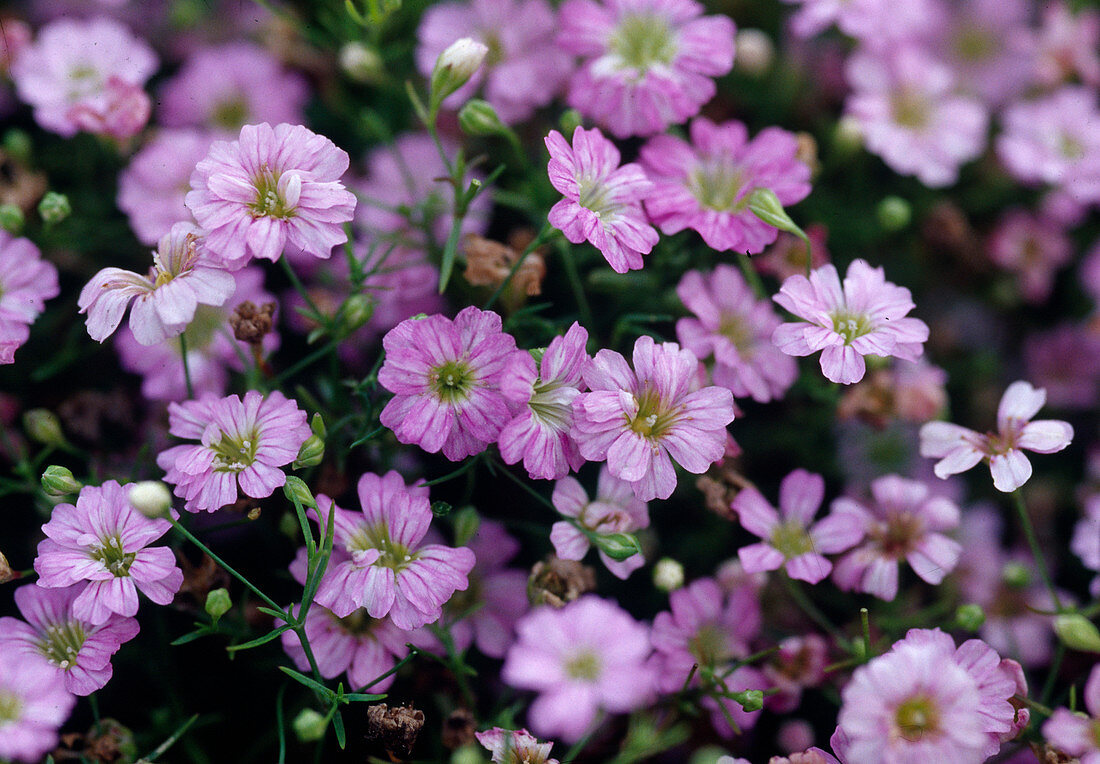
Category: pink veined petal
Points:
column 938, row 439
column 810, row 567
column 934, row 557
column 757, row 558
column 569, row 543
column 1010, row 470
column 1020, row 402
column 756, row 515
column 960, row 460
column 800, row 495
column 1045, row 436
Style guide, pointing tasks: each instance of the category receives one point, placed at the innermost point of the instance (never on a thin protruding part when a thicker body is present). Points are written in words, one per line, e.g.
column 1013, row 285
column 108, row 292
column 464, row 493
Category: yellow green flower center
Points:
column 452, row 381
column 917, row 718
column 910, row 109
column 791, row 539
column 584, row 665
column 734, row 328
column 653, row 419
column 850, row 326
column 61, row 643
column 642, row 40
column 392, row 555
column 11, row 706
column 974, row 44
column 231, row 113
column 234, row 453
column 716, row 184
column 113, row 557
column 269, row 202
column 708, row 646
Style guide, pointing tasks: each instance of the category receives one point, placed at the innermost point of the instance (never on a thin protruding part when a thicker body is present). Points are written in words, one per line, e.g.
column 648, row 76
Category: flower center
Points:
column 1070, row 147
column 234, row 453
column 917, row 718
column 358, row 623
column 113, row 557
column 850, row 326
column 200, row 332
column 910, row 109
column 642, row 40
column 791, row 539
column 61, row 643
column 974, row 44
column 898, row 534
column 652, row 420
column 452, row 381
column 733, row 327
column 708, row 646
column 392, row 555
column 10, row 707
column 593, row 196
column 717, row 184
column 584, row 665
column 269, row 203
column 230, row 113
column 547, row 407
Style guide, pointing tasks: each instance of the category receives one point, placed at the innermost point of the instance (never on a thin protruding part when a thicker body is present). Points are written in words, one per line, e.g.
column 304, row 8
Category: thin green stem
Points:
column 186, row 367
column 1052, row 673
column 318, row 316
column 752, row 277
column 575, row 283
column 811, row 610
column 1036, row 551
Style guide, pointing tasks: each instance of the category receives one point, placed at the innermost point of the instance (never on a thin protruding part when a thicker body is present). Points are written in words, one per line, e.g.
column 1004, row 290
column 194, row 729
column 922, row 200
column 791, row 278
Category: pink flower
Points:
column 799, row 663
column 790, row 541
column 104, row 541
column 515, row 747
column 865, row 317
column 1068, row 44
column 271, row 187
column 1064, row 360
column 736, row 328
column 587, row 656
column 523, row 70
column 1049, row 139
column 870, row 21
column 705, row 185
column 26, row 282
column 387, row 570
column 240, row 442
column 86, row 75
column 76, row 649
column 183, row 277
column 445, row 376
column 640, row 420
column 904, row 522
column 539, row 433
column 35, row 702
column 958, row 448
column 614, row 510
column 1086, row 540
column 910, row 115
column 647, row 64
column 603, row 201
column 1074, row 734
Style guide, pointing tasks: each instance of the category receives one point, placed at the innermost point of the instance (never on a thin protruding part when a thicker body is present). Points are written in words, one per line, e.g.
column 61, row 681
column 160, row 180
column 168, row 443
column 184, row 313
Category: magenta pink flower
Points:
column 865, row 317
column 1074, row 733
column 76, row 649
column 183, row 276
column 958, row 448
column 904, row 521
column 1068, row 44
column 647, row 64
column 272, row 187
column 104, row 542
column 1086, row 540
column 445, row 376
column 1033, row 247
column 26, row 282
column 240, row 442
column 705, row 185
column 799, row 663
column 539, row 433
column 736, row 328
column 1063, row 361
column 640, row 420
column 35, row 704
column 614, row 510
column 873, row 21
column 388, row 571
column 790, row 541
column 603, row 201
column 515, row 747
column 589, row 655
column 86, row 75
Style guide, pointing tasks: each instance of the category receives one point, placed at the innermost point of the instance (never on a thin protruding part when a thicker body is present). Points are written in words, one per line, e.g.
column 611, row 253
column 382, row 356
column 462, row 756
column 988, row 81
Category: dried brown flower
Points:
column 458, row 729
column 395, row 728
column 555, row 581
column 250, row 323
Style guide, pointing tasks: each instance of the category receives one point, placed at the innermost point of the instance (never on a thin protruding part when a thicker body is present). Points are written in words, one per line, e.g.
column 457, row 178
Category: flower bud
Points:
column 1016, row 574
column 43, row 426
column 11, row 218
column 750, row 700
column 466, row 521
column 755, row 51
column 970, row 616
column 296, row 489
column 766, row 205
column 6, row 573
column 570, row 120
column 467, row 754
column 361, row 63
column 317, row 426
column 151, row 498
column 218, row 603
column 357, row 311
column 1077, row 632
column 617, row 546
column 309, row 725
column 668, row 575
column 477, row 117
column 455, row 66
column 894, row 213
column 58, row 481
column 18, row 145
column 311, row 453
column 54, row 208
column 848, row 136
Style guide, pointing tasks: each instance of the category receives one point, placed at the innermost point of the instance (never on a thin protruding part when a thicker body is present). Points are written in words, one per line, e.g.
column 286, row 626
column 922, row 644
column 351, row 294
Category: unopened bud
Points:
column 58, row 481
column 467, row 754
column 317, row 426
column 296, row 489
column 11, row 218
column 18, row 145
column 467, row 521
column 309, row 726
column 357, row 311
column 755, row 51
column 455, row 66
column 848, row 136
column 311, row 453
column 1077, row 632
column 617, row 546
column 668, row 575
column 362, row 63
column 151, row 498
column 6, row 573
column 894, row 213
column 970, row 616
column 477, row 117
column 44, row 427
column 54, row 208
column 750, row 700
column 766, row 205
column 1016, row 574
column 570, row 120
column 218, row 603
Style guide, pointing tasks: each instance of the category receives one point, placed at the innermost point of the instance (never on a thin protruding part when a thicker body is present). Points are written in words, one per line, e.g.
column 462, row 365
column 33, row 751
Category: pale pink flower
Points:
column 183, row 276
column 240, row 442
column 1086, row 540
column 515, row 747
column 799, row 663
column 867, row 316
column 35, row 704
column 958, row 448
column 1047, row 140
column 904, row 522
column 614, row 510
column 603, row 201
column 104, row 541
column 790, row 540
column 1033, row 247
column 640, row 419
column 26, row 282
column 1074, row 733
column 880, row 22
column 1068, row 44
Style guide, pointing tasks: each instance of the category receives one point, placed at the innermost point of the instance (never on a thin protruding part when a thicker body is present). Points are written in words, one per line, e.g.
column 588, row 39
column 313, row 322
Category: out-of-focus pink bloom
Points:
column 640, row 419
column 73, row 647
column 799, row 663
column 36, row 704
column 240, row 442
column 86, row 75
column 183, row 276
column 226, row 87
column 867, row 316
column 736, row 328
column 603, row 201
column 911, row 115
column 445, row 376
column 647, row 64
column 1068, row 44
column 270, row 188
column 904, row 522
column 705, row 185
column 790, row 540
column 1034, row 248
column 26, row 282
column 614, row 510
column 587, row 656
column 104, row 542
column 16, row 38
column 515, row 747
column 388, row 570
column 151, row 189
column 523, row 69
column 1086, row 540
column 959, row 448
column 1064, row 361
column 1049, row 139
column 879, row 22
column 787, row 257
column 1074, row 734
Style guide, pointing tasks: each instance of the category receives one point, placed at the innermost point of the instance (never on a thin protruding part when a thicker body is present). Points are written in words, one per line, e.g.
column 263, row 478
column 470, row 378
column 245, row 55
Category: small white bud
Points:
column 455, row 66
column 668, row 575
column 151, row 498
column 755, row 51
column 361, row 63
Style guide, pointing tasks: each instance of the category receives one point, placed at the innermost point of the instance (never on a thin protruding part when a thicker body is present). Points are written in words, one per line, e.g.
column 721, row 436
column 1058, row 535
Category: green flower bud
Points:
column 1077, row 632
column 477, row 117
column 441, row 509
column 357, row 311
column 894, row 213
column 455, row 66
column 466, row 521
column 151, row 498
column 617, row 546
column 59, row 481
column 311, row 453
column 755, row 51
column 218, row 603
column 668, row 575
column 848, row 137
column 43, row 426
column 970, row 616
column 570, row 120
column 309, row 726
column 1016, row 575
column 54, row 208
column 18, row 145
column 708, row 754
column 766, row 205
column 750, row 700
column 11, row 218
column 467, row 754
column 537, row 354
column 361, row 63
column 317, row 426
column 296, row 489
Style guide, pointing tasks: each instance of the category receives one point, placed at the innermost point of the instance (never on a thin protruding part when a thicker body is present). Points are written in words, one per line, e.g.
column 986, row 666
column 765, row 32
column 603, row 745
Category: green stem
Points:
column 1036, row 551
column 318, row 316
column 811, row 610
column 752, row 277
column 191, row 537
column 186, row 367
column 575, row 283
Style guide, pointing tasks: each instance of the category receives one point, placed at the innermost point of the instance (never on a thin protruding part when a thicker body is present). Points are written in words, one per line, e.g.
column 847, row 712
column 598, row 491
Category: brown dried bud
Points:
column 6, row 573
column 946, row 229
column 489, row 262
column 199, row 579
column 555, row 582
column 395, row 728
column 720, row 487
column 806, row 152
column 19, row 185
column 458, row 729
column 250, row 323
column 106, row 741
